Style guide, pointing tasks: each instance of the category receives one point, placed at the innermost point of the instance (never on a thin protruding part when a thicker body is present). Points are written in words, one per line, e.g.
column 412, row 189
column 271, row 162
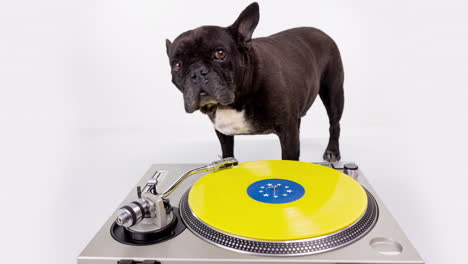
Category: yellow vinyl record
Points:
column 277, row 200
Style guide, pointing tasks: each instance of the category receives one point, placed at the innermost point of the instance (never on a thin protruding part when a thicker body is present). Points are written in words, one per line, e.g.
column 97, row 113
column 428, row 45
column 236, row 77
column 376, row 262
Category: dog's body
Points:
column 259, row 86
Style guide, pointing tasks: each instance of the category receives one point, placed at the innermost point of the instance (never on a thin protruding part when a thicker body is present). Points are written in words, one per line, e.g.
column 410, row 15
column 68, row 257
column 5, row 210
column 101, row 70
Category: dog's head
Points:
column 206, row 62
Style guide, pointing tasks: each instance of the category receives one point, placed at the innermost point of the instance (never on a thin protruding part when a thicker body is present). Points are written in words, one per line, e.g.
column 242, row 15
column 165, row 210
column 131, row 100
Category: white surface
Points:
column 86, row 105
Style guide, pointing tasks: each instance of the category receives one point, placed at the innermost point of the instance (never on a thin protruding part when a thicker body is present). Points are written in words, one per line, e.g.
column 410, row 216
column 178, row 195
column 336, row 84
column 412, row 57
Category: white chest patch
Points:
column 231, row 122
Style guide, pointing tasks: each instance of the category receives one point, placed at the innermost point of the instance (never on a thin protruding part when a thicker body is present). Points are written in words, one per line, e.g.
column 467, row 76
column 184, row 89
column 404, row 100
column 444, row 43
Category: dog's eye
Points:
column 220, row 54
column 177, row 66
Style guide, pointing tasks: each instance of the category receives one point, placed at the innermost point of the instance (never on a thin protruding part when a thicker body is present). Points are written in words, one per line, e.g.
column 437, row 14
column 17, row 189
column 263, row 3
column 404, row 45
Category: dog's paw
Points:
column 331, row 155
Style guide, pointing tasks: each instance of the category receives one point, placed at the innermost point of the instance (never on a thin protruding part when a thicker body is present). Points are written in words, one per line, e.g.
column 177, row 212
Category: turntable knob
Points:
column 351, row 170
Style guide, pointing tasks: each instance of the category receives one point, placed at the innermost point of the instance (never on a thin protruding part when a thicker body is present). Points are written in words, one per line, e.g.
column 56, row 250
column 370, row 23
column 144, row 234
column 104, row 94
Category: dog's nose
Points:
column 193, row 76
column 204, row 72
column 199, row 74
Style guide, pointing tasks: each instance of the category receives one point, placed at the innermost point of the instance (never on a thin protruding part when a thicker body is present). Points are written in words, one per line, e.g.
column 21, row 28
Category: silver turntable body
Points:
column 384, row 243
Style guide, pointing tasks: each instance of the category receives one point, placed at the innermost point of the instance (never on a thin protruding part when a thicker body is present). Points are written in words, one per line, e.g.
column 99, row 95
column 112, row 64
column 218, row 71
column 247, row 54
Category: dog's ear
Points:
column 168, row 46
column 245, row 24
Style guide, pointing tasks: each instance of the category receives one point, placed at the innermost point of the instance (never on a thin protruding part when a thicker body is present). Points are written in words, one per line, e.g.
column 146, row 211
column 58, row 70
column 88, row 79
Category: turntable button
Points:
column 351, row 170
column 351, row 166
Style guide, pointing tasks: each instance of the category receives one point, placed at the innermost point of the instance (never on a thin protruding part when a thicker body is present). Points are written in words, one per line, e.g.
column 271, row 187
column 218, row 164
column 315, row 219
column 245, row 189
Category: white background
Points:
column 86, row 105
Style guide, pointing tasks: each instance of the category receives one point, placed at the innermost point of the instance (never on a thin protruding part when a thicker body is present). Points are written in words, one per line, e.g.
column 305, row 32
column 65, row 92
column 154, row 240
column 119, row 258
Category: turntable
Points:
column 253, row 212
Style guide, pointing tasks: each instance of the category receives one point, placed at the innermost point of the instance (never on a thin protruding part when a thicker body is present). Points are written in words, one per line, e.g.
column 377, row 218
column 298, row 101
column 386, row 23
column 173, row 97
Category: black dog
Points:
column 259, row 86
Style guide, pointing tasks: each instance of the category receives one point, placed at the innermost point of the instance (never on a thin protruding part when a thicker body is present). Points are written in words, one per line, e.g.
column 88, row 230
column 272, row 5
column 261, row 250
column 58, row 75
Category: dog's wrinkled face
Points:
column 206, row 62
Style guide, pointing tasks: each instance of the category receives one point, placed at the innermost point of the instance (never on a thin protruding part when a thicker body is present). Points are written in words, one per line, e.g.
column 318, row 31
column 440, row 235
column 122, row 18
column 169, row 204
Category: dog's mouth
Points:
column 209, row 108
column 208, row 104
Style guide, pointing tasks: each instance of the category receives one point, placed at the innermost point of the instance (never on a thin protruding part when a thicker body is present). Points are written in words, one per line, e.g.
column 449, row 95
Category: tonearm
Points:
column 152, row 210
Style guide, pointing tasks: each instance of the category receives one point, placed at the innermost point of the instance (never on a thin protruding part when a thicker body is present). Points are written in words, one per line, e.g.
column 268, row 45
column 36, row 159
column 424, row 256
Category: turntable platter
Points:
column 278, row 200
column 281, row 208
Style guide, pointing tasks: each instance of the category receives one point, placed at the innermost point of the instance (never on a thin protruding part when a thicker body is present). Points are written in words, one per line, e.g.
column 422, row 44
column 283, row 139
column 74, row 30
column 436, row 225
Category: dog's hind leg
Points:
column 332, row 95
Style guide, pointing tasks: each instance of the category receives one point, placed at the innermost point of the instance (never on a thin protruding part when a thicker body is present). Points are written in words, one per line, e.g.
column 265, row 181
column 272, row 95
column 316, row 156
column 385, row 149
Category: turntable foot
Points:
column 130, row 261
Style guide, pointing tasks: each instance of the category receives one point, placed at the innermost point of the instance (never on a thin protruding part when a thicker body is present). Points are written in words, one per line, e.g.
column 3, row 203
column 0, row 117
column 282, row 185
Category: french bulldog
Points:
column 259, row 85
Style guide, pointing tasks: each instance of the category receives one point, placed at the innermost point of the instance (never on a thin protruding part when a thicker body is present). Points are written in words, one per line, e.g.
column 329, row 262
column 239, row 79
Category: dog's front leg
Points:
column 227, row 144
column 289, row 138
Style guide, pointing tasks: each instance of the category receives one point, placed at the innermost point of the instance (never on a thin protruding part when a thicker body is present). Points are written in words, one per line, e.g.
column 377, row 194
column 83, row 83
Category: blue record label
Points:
column 275, row 191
